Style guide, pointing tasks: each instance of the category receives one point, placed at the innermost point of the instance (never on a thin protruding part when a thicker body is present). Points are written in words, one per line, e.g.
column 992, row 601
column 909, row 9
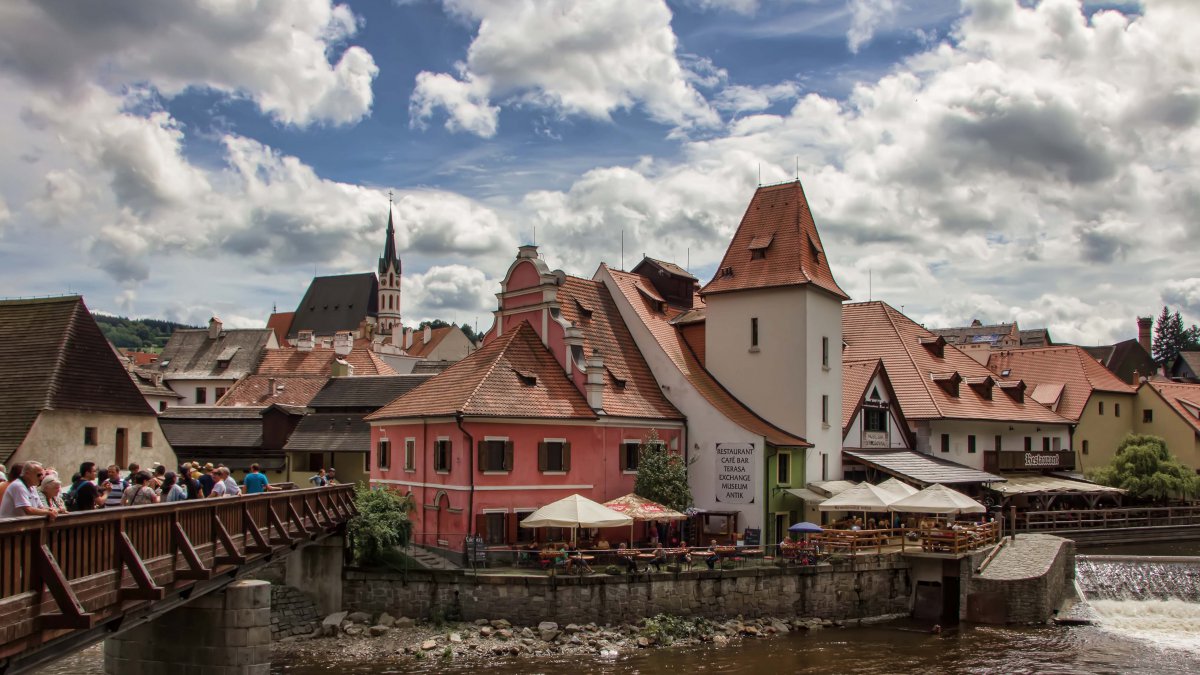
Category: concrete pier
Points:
column 224, row 633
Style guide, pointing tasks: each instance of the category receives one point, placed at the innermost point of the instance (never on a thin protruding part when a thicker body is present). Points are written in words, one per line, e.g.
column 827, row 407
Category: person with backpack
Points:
column 87, row 495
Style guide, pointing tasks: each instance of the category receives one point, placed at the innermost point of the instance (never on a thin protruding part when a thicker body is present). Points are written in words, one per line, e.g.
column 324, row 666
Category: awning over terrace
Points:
column 916, row 467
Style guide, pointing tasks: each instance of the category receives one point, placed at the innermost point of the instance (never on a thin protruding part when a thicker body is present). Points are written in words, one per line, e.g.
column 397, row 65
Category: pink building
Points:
column 556, row 402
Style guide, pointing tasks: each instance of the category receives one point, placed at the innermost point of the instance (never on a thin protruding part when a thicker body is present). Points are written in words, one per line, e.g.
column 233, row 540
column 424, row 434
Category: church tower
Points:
column 389, row 282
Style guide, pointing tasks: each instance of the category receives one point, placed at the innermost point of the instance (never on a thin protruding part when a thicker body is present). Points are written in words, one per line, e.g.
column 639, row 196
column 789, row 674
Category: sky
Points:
column 990, row 159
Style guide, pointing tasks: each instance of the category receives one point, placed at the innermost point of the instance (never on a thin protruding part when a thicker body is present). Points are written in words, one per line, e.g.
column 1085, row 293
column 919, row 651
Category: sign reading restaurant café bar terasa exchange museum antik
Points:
column 735, row 473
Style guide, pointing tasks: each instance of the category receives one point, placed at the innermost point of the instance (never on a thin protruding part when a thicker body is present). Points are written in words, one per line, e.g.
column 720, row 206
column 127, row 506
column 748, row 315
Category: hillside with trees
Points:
column 141, row 334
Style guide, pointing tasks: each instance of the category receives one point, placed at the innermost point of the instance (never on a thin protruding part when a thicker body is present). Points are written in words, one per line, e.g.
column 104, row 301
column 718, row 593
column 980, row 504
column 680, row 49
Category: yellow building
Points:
column 1171, row 410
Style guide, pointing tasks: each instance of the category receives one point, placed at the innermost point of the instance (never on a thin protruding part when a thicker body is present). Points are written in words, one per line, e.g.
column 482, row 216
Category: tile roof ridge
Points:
column 925, row 381
column 735, row 399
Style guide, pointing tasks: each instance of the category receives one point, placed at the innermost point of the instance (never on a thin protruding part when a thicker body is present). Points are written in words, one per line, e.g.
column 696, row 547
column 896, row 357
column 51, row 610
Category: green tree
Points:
column 1146, row 469
column 381, row 525
column 1171, row 337
column 662, row 475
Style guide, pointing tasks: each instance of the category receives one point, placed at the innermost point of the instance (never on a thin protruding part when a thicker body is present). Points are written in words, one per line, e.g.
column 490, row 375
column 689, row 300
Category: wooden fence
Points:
column 1160, row 516
column 84, row 569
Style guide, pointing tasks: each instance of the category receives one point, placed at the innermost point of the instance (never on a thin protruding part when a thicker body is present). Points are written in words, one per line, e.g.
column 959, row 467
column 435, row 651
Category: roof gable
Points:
column 776, row 244
column 56, row 358
column 489, row 383
column 1064, row 377
column 1183, row 398
column 926, row 383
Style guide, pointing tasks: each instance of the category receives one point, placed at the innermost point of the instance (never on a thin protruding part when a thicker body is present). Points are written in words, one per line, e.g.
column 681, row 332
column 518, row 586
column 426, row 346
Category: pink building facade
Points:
column 556, row 402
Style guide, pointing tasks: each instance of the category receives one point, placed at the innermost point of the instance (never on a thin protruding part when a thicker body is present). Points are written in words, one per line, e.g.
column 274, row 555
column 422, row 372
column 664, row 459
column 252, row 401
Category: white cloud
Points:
column 740, row 98
column 866, row 17
column 273, row 53
column 586, row 58
column 454, row 293
column 1183, row 296
column 1034, row 157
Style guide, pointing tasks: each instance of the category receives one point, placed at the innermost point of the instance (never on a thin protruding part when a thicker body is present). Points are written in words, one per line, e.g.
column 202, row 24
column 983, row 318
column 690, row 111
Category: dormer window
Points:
column 585, row 312
column 527, row 378
column 620, row 380
column 759, row 245
column 982, row 386
column 948, row 382
column 934, row 344
column 1014, row 388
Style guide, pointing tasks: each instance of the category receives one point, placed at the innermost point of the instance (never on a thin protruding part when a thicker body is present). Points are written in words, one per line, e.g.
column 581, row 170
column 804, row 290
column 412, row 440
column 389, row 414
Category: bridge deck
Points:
column 73, row 581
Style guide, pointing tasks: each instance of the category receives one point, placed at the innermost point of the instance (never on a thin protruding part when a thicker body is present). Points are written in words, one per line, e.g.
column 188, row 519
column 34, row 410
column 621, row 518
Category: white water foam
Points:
column 1168, row 623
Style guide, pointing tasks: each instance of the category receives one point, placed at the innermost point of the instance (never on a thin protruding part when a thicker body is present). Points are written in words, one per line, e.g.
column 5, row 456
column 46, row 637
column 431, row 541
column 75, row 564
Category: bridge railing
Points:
column 1136, row 516
column 85, row 568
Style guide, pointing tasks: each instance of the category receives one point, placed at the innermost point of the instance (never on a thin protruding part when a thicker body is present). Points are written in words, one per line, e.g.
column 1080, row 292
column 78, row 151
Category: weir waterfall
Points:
column 1153, row 598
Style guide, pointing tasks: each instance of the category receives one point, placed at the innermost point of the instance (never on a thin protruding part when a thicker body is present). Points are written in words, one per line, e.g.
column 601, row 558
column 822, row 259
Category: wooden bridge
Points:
column 86, row 576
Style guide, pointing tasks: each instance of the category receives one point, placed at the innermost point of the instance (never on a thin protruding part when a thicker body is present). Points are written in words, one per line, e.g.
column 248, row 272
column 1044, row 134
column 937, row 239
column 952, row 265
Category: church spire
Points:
column 389, row 244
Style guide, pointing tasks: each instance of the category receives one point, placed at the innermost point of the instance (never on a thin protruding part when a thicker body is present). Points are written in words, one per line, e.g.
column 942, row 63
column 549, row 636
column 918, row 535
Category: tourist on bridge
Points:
column 319, row 479
column 3, row 474
column 186, row 478
column 171, row 490
column 223, row 485
column 19, row 498
column 50, row 494
column 118, row 486
column 256, row 481
column 16, row 472
column 139, row 492
column 87, row 495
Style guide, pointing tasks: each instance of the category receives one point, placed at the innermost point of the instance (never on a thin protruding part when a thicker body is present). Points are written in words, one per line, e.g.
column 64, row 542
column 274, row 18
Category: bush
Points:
column 666, row 629
column 382, row 523
column 1146, row 469
column 612, row 570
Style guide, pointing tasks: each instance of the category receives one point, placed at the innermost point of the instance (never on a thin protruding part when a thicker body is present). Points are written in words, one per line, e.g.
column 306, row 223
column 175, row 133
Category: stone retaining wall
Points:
column 873, row 586
column 292, row 612
column 1025, row 583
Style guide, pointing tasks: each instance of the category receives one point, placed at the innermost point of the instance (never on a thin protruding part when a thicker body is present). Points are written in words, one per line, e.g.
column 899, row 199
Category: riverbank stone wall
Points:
column 1026, row 583
column 871, row 586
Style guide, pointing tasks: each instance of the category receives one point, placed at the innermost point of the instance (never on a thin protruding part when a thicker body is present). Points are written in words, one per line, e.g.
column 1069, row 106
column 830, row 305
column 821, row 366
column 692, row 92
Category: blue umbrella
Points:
column 805, row 527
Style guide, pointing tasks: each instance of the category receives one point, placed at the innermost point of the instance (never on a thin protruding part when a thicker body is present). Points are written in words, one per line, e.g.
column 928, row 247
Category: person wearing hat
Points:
column 206, row 479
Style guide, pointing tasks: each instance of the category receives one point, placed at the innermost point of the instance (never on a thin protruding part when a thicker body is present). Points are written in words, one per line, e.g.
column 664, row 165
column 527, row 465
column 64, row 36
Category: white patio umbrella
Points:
column 938, row 498
column 575, row 512
column 861, row 497
column 897, row 487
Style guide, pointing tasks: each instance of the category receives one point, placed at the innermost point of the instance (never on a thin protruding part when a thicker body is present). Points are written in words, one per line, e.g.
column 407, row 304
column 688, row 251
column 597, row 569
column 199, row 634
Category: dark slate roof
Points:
column 364, row 391
column 212, row 427
column 54, row 357
column 1187, row 365
column 389, row 257
column 1035, row 337
column 1124, row 359
column 431, row 367
column 145, row 381
column 330, row 432
column 191, row 354
column 336, row 303
column 921, row 468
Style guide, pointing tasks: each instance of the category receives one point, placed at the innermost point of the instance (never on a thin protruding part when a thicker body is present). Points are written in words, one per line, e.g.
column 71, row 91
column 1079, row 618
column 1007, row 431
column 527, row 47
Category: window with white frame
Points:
column 410, row 454
column 383, row 454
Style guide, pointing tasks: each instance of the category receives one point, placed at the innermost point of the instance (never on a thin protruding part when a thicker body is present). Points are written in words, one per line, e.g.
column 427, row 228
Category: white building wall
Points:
column 822, row 319
column 57, row 439
column 896, row 435
column 187, row 389
column 1012, row 438
column 706, row 426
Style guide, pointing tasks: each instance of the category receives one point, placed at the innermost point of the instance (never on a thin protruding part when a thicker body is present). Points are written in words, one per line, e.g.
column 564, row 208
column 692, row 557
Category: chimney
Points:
column 340, row 368
column 396, row 338
column 408, row 337
column 270, row 387
column 427, row 335
column 214, row 328
column 343, row 342
column 595, row 380
column 1144, row 325
column 305, row 341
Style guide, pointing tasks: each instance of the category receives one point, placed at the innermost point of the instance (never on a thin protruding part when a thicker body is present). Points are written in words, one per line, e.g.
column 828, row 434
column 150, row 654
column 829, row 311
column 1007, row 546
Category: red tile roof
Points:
column 292, row 361
column 778, row 223
column 420, row 348
column 875, row 330
column 281, row 323
column 1067, row 367
column 604, row 330
column 1184, row 398
column 495, row 382
column 856, row 375
column 253, row 390
column 670, row 337
column 139, row 358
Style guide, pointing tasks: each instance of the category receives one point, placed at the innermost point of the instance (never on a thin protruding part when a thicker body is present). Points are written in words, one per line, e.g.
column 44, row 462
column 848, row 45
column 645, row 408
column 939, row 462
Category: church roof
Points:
column 336, row 303
column 389, row 257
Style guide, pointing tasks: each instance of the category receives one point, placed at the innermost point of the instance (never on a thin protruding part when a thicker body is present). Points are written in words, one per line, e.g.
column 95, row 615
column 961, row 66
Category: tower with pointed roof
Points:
column 774, row 324
column 389, row 282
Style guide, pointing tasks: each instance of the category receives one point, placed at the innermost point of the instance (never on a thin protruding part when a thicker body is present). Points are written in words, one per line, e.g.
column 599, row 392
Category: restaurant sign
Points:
column 735, row 473
column 1010, row 461
column 875, row 439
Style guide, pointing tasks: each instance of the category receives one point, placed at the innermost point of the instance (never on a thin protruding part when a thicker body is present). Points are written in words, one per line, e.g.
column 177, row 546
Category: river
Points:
column 1132, row 636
